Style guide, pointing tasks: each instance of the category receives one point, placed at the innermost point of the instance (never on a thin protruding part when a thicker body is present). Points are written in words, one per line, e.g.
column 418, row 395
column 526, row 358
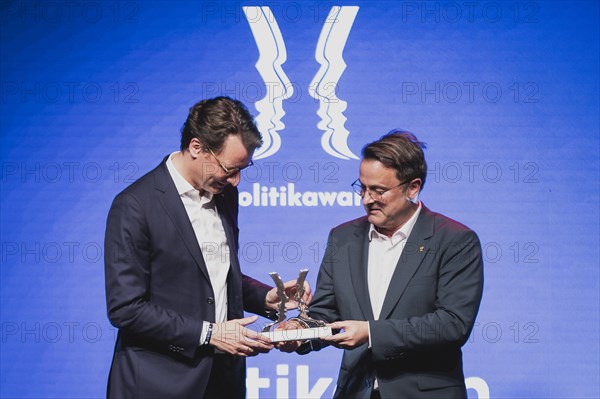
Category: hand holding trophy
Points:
column 309, row 328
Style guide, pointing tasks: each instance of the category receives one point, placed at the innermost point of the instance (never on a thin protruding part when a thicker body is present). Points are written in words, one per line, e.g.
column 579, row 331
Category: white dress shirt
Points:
column 211, row 237
column 384, row 253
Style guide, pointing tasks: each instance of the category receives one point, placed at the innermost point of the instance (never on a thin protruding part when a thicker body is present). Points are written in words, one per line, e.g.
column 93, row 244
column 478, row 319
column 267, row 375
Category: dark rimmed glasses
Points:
column 229, row 171
column 376, row 194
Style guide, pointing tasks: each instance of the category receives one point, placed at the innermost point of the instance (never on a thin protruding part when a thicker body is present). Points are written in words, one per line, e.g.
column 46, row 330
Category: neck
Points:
column 182, row 162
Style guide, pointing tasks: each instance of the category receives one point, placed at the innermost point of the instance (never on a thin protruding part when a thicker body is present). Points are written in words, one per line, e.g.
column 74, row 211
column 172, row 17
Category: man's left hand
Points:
column 272, row 299
column 353, row 333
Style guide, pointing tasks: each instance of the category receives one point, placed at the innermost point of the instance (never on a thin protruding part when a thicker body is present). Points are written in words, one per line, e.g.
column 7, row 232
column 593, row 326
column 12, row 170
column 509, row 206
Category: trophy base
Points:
column 298, row 335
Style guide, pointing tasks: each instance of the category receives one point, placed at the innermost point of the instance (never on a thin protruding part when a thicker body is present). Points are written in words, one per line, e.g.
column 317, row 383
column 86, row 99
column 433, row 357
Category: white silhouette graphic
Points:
column 272, row 54
column 329, row 54
column 323, row 86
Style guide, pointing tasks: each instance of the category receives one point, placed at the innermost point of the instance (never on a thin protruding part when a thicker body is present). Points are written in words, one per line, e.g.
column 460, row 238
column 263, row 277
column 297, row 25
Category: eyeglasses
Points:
column 376, row 194
column 231, row 170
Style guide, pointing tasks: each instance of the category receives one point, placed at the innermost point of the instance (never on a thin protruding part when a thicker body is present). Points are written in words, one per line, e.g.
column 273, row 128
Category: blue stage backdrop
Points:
column 505, row 93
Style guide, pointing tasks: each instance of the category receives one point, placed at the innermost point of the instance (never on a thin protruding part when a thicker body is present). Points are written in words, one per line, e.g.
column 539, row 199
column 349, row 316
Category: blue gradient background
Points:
column 135, row 67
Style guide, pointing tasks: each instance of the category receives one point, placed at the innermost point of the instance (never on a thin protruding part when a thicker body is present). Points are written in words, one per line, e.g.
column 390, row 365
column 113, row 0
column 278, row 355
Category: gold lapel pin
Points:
column 422, row 248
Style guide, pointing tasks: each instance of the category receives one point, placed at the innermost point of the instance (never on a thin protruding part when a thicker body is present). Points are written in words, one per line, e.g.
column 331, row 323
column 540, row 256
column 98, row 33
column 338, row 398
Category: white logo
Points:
column 255, row 383
column 323, row 86
column 272, row 54
column 288, row 196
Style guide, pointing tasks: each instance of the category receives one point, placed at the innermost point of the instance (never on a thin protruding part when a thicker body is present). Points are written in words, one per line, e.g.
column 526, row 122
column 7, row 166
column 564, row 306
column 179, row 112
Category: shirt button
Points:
column 210, row 300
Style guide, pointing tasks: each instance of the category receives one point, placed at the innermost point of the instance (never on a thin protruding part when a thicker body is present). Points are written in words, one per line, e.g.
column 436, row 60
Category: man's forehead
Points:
column 373, row 165
column 233, row 151
column 373, row 172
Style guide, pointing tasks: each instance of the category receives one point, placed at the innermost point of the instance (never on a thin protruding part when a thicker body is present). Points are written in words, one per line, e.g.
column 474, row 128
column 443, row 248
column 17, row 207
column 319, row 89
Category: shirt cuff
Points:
column 369, row 329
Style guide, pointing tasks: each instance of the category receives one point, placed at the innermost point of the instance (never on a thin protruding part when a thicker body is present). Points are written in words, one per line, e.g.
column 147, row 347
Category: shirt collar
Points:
column 183, row 186
column 399, row 235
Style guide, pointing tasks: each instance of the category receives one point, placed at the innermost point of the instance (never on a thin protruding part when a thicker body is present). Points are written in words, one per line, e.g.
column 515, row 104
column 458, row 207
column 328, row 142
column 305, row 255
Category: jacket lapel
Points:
column 414, row 251
column 174, row 208
column 226, row 204
column 358, row 258
column 225, row 213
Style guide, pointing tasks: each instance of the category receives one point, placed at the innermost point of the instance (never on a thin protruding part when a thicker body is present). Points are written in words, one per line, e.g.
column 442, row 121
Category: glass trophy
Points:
column 310, row 328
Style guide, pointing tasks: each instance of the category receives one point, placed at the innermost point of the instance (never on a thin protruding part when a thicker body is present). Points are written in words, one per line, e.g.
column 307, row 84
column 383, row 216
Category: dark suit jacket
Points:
column 158, row 292
column 428, row 312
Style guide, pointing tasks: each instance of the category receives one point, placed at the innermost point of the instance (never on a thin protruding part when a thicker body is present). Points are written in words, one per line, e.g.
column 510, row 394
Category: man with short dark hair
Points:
column 403, row 284
column 174, row 287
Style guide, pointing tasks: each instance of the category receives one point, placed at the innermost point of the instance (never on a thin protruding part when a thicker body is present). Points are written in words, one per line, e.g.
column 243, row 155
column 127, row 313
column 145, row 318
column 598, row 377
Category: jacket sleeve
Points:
column 254, row 295
column 323, row 305
column 127, row 277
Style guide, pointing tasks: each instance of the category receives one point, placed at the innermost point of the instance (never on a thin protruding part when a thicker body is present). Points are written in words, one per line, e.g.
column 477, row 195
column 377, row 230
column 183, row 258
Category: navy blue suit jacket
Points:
column 427, row 315
column 158, row 292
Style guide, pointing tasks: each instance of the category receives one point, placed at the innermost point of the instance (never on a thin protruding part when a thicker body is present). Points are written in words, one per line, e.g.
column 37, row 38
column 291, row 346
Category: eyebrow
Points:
column 376, row 187
column 241, row 166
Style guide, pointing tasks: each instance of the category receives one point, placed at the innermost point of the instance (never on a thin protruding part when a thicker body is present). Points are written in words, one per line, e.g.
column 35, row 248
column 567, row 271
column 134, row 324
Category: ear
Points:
column 195, row 148
column 413, row 188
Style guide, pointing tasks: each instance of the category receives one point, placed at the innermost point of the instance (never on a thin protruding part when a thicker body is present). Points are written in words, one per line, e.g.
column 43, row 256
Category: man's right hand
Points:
column 233, row 338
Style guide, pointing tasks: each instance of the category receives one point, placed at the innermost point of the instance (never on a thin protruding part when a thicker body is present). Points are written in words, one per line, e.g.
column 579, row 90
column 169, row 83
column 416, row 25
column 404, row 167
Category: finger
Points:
column 293, row 325
column 254, row 336
column 256, row 340
column 243, row 351
column 289, row 284
column 288, row 347
column 288, row 344
column 307, row 298
column 246, row 320
column 288, row 325
column 340, row 337
column 307, row 289
column 253, row 351
column 291, row 289
column 338, row 325
column 259, row 345
column 261, row 350
column 282, row 345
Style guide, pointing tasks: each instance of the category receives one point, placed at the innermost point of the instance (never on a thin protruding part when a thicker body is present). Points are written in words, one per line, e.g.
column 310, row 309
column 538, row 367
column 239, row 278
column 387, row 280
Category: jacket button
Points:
column 210, row 300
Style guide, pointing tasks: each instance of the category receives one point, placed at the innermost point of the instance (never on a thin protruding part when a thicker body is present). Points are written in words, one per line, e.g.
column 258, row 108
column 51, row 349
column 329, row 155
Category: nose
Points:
column 367, row 199
column 234, row 179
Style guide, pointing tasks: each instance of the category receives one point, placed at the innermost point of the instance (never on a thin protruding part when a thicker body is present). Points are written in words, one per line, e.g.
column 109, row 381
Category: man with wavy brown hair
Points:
column 174, row 287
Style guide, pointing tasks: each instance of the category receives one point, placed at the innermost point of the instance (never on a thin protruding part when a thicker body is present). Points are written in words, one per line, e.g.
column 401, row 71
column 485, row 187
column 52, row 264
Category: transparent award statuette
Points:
column 310, row 328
